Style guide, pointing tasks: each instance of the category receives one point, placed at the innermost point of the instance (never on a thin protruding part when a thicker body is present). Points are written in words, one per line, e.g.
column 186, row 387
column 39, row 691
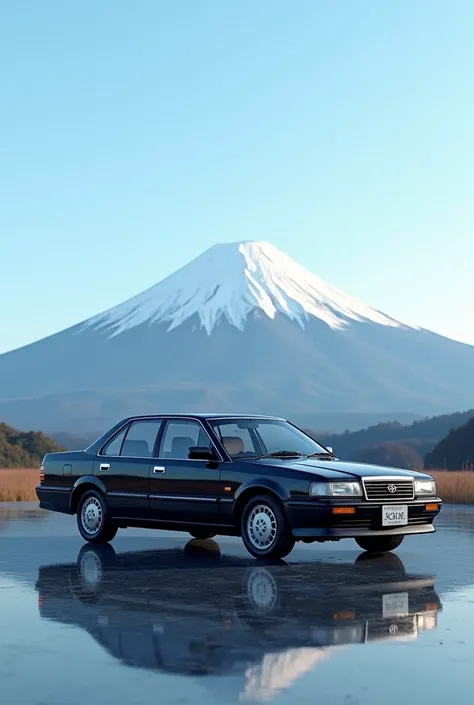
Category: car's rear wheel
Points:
column 265, row 530
column 93, row 519
column 379, row 544
column 202, row 535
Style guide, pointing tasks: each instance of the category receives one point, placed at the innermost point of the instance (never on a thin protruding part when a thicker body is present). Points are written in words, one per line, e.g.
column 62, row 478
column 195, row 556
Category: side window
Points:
column 180, row 436
column 235, row 440
column 113, row 447
column 275, row 437
column 140, row 439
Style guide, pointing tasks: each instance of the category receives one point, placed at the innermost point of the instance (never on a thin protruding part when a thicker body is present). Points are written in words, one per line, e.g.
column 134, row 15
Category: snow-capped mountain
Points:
column 229, row 282
column 241, row 328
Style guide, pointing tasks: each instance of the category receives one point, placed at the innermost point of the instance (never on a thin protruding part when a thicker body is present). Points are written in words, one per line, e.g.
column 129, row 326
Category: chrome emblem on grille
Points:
column 392, row 489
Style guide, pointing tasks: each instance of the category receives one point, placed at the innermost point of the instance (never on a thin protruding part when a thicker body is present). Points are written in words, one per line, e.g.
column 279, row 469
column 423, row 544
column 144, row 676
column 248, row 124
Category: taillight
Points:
column 41, row 474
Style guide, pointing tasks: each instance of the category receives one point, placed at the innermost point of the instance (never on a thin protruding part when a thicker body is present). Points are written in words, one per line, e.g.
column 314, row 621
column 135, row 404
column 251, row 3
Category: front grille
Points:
column 389, row 490
column 391, row 628
column 354, row 523
column 374, row 523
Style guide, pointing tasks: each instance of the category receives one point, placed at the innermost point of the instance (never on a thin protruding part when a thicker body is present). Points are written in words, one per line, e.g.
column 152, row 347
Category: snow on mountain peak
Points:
column 231, row 280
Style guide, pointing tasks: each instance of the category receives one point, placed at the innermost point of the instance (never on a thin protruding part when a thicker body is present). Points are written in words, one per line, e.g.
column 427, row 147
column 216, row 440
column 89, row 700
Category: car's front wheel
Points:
column 379, row 544
column 93, row 519
column 265, row 530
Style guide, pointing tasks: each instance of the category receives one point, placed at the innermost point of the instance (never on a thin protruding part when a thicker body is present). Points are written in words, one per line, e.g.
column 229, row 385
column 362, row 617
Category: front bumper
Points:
column 315, row 519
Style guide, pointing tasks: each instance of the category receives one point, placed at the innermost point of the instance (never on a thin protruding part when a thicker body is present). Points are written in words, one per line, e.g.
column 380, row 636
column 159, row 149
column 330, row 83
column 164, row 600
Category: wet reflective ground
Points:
column 158, row 618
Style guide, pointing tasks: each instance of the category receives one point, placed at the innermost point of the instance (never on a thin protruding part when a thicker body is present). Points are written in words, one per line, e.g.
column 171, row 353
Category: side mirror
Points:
column 329, row 448
column 201, row 453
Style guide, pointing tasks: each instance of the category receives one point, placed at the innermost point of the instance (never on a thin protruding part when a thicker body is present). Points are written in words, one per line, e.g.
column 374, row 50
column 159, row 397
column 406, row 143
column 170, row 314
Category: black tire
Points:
column 105, row 529
column 203, row 552
column 280, row 541
column 387, row 562
column 379, row 544
column 202, row 535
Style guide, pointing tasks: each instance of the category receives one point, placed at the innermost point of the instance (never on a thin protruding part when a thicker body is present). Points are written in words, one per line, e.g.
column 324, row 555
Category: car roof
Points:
column 238, row 416
column 205, row 415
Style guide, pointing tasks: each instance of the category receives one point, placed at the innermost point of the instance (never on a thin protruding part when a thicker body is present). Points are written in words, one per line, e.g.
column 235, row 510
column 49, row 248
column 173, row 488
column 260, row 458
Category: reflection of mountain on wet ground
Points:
column 197, row 612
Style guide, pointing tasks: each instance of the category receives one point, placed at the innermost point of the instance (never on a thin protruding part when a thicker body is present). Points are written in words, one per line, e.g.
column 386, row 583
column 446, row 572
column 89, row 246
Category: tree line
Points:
column 445, row 441
column 24, row 449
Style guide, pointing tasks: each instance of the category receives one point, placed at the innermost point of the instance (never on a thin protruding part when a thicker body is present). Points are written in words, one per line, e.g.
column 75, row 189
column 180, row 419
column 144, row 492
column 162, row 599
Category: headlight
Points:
column 335, row 489
column 425, row 487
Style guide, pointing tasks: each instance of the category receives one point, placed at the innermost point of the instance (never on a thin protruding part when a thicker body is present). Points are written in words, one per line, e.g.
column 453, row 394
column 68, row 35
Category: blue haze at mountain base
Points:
column 79, row 378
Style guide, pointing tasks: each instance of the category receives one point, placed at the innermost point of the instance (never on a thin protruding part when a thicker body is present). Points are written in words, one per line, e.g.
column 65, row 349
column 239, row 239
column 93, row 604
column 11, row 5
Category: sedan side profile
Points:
column 258, row 477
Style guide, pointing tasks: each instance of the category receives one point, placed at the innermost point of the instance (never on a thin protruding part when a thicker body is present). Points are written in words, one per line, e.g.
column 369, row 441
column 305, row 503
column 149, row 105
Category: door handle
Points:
column 159, row 468
column 104, row 466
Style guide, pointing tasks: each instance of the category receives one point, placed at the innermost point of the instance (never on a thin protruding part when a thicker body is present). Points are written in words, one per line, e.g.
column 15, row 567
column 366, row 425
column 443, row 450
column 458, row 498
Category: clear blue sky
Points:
column 133, row 135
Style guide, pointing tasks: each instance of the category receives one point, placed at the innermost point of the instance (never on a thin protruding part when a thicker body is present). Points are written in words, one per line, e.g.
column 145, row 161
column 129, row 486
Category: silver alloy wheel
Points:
column 262, row 590
column 91, row 569
column 91, row 516
column 261, row 526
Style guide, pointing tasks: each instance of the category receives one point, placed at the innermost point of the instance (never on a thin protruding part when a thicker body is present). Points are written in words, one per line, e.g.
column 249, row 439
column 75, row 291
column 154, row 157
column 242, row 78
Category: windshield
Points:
column 259, row 437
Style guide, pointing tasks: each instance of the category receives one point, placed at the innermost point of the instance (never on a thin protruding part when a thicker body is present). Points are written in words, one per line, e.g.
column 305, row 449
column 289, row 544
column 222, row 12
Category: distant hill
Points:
column 393, row 455
column 455, row 451
column 72, row 442
column 24, row 449
column 325, row 423
column 422, row 435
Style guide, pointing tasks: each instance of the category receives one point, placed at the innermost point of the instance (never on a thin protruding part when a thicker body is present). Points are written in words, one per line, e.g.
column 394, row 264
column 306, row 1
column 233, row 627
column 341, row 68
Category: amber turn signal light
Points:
column 344, row 616
column 431, row 507
column 343, row 510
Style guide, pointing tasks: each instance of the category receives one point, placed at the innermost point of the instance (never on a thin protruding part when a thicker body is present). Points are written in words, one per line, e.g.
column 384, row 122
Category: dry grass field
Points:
column 455, row 487
column 18, row 485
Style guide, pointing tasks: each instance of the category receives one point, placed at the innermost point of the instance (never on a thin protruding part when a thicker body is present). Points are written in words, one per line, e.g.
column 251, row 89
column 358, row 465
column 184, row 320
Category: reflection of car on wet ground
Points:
column 199, row 612
column 256, row 477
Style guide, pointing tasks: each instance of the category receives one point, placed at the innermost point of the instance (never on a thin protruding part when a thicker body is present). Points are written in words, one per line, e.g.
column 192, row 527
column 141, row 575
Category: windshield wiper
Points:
column 321, row 455
column 282, row 454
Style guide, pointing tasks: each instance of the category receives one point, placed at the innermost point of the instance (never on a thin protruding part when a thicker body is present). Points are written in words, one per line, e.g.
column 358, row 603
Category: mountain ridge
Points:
column 230, row 281
column 309, row 355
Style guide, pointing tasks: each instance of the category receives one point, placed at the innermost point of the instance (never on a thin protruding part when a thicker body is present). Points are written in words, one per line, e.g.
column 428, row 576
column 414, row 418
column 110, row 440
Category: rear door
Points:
column 124, row 468
column 184, row 490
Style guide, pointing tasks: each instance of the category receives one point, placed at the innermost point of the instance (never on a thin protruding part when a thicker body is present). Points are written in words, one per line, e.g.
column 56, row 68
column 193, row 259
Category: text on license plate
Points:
column 395, row 605
column 394, row 515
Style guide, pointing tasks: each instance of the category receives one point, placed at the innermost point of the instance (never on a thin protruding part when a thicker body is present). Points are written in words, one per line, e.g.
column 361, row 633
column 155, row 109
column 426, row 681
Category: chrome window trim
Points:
column 162, row 419
column 388, row 478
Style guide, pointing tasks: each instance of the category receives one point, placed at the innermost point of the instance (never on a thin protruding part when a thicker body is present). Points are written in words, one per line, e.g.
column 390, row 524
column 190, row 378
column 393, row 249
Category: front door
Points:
column 184, row 491
column 124, row 468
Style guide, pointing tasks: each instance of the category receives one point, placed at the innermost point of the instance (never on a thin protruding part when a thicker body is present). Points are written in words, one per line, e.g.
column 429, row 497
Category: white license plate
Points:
column 394, row 515
column 395, row 605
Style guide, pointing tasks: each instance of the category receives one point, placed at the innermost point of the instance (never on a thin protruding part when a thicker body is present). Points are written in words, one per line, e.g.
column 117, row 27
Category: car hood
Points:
column 334, row 469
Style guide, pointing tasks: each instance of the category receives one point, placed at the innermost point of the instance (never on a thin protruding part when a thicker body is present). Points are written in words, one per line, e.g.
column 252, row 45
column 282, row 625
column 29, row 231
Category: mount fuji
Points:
column 242, row 328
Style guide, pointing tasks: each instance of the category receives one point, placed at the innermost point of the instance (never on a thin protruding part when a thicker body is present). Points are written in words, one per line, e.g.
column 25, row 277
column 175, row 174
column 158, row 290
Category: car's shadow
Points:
column 198, row 611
